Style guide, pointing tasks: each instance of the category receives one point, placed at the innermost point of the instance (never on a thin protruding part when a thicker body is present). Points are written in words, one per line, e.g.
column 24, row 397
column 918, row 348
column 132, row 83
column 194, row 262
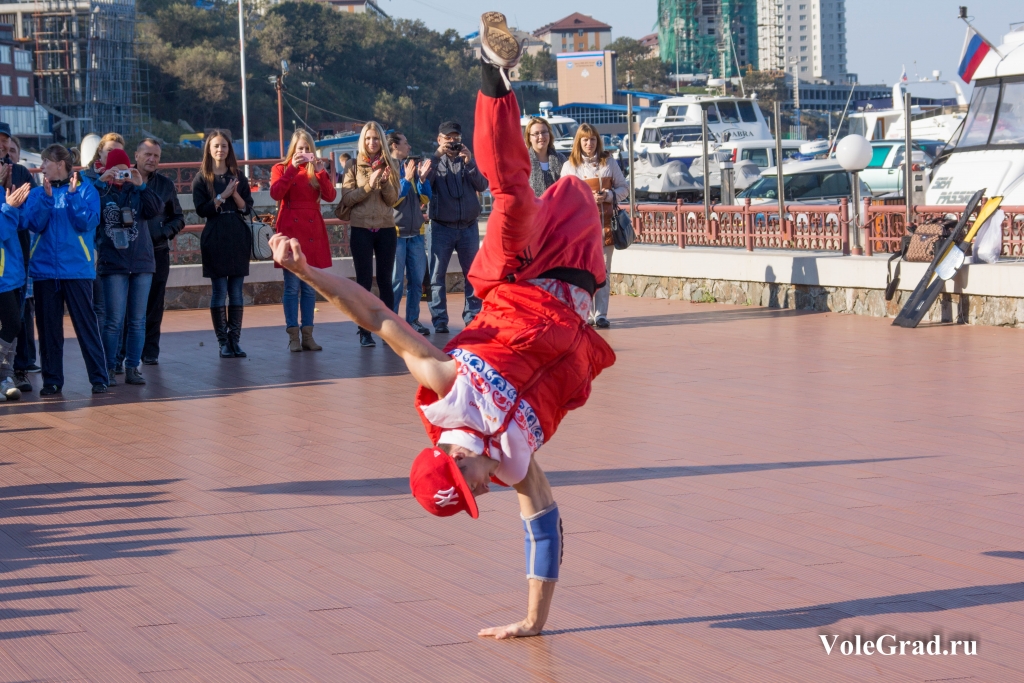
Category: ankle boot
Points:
column 220, row 326
column 294, row 345
column 307, row 340
column 235, row 330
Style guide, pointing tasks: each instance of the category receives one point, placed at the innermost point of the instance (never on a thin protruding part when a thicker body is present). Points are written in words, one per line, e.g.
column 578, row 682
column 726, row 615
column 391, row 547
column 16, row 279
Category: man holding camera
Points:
column 454, row 181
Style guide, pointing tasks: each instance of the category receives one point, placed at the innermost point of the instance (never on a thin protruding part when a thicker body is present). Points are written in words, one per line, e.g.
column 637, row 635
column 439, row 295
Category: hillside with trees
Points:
column 396, row 71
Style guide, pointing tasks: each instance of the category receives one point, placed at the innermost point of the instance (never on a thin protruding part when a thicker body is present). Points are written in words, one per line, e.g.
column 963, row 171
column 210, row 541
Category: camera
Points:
column 123, row 175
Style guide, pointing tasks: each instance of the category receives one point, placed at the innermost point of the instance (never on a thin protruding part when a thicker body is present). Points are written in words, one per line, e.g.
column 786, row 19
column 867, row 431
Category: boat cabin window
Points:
column 758, row 156
column 678, row 112
column 712, row 112
column 987, row 126
column 728, row 112
column 879, row 154
column 747, row 112
column 671, row 134
column 564, row 131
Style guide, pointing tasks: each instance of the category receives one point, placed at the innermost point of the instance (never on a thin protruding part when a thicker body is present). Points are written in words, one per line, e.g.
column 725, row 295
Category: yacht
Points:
column 675, row 133
column 988, row 150
column 927, row 122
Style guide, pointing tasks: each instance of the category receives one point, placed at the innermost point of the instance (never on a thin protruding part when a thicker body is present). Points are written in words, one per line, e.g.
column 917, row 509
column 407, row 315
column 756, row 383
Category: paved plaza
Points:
column 741, row 482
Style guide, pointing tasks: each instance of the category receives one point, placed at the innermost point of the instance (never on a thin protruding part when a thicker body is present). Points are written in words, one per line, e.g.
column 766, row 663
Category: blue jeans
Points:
column 125, row 298
column 442, row 241
column 225, row 289
column 297, row 292
column 411, row 258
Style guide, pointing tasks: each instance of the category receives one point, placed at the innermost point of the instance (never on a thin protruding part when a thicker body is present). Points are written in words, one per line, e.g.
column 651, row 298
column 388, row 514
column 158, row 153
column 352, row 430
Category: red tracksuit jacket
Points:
column 537, row 343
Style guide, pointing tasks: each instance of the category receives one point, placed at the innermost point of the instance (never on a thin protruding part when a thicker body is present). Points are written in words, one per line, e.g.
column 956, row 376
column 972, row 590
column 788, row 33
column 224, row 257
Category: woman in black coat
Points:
column 220, row 193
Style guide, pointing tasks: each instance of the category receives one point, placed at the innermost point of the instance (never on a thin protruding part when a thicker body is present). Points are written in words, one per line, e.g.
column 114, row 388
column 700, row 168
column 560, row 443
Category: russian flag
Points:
column 975, row 49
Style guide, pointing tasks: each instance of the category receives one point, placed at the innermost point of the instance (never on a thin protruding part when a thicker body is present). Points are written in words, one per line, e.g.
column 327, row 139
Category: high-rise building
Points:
column 807, row 38
column 716, row 37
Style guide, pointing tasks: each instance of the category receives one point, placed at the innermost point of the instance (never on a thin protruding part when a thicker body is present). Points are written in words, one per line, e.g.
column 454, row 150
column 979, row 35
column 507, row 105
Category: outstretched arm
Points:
column 430, row 366
column 535, row 496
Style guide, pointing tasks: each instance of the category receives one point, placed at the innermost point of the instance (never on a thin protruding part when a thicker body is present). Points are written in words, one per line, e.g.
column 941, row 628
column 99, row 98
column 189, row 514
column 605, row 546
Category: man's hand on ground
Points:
column 517, row 630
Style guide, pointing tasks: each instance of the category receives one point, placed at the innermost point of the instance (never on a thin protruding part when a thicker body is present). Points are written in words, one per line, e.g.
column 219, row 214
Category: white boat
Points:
column 676, row 130
column 563, row 128
column 988, row 151
column 927, row 122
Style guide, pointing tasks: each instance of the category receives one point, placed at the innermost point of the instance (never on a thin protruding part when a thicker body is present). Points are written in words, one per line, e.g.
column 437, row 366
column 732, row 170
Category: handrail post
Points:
column 679, row 224
column 868, row 229
column 748, row 225
column 713, row 228
column 844, row 225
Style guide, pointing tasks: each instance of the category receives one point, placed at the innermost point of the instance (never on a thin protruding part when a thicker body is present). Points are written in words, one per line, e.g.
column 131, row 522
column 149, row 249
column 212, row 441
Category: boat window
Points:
column 679, row 112
column 758, row 156
column 1009, row 128
column 747, row 112
column 728, row 112
column 564, row 131
column 979, row 116
column 672, row 134
column 879, row 154
column 712, row 112
column 789, row 152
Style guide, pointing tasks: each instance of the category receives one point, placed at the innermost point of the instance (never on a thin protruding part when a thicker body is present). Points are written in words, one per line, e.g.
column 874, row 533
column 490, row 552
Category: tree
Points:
column 539, row 67
column 648, row 73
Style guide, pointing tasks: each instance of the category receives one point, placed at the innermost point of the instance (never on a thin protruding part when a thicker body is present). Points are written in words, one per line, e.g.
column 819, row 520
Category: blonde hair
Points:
column 587, row 131
column 206, row 167
column 551, row 135
column 104, row 141
column 302, row 135
column 373, row 125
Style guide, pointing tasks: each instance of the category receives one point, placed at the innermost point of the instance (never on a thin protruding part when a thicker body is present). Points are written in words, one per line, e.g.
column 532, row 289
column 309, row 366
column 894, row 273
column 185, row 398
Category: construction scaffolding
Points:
column 714, row 37
column 86, row 70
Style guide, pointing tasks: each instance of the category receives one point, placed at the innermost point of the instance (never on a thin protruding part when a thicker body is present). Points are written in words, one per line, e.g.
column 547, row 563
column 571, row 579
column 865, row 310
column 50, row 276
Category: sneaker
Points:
column 133, row 376
column 602, row 323
column 49, row 390
column 420, row 327
column 111, row 381
column 8, row 391
column 497, row 43
column 366, row 340
column 441, row 329
column 21, row 381
column 118, row 369
column 96, row 389
column 33, row 368
column 150, row 361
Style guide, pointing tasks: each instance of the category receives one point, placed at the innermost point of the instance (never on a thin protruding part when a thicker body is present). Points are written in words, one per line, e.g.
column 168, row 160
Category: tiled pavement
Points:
column 741, row 481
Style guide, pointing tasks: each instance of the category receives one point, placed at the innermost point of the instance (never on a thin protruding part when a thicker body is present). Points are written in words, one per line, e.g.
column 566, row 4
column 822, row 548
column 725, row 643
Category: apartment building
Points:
column 575, row 33
column 804, row 37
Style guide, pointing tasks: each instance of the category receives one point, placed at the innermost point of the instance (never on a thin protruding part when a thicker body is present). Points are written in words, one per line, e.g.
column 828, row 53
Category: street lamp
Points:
column 854, row 154
column 308, row 85
column 245, row 106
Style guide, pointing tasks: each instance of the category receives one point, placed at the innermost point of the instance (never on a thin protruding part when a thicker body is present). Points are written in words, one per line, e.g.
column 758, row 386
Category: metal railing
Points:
column 185, row 246
column 805, row 227
column 885, row 226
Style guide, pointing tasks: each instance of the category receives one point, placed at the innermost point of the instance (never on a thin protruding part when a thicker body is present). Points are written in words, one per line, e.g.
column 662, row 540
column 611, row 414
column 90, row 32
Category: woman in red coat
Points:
column 299, row 183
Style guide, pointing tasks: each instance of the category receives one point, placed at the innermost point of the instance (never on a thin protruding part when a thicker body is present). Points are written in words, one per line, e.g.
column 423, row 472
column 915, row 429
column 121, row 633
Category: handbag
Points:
column 623, row 233
column 342, row 212
column 261, row 234
column 917, row 246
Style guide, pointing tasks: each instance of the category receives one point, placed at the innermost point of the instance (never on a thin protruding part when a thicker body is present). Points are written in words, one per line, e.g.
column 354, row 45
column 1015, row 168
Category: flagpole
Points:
column 991, row 45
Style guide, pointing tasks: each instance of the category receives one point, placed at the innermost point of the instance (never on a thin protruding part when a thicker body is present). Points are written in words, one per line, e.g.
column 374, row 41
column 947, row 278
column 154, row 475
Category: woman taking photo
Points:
column 545, row 162
column 92, row 172
column 590, row 163
column 63, row 215
column 299, row 183
column 370, row 188
column 220, row 193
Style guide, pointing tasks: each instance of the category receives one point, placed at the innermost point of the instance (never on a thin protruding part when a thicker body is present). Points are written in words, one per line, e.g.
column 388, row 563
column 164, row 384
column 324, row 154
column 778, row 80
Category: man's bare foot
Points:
column 517, row 630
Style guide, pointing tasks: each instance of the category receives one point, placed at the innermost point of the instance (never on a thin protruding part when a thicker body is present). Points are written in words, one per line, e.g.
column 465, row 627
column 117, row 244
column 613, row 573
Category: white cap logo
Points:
column 446, row 497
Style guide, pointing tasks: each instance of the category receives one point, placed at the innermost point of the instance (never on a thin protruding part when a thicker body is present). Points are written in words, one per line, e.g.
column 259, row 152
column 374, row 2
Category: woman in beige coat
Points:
column 370, row 188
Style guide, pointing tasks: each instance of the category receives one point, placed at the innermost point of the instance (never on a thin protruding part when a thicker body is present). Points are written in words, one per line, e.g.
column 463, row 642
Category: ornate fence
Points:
column 885, row 226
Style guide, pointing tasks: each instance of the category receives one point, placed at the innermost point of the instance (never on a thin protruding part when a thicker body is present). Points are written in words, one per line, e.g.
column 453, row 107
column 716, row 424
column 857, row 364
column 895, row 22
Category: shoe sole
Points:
column 496, row 40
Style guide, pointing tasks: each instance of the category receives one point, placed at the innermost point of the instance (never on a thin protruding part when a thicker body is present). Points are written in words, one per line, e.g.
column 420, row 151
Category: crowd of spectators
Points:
column 96, row 243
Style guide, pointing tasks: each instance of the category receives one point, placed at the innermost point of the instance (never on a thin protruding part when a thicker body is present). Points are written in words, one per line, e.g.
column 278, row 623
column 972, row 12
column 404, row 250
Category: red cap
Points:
column 118, row 156
column 439, row 486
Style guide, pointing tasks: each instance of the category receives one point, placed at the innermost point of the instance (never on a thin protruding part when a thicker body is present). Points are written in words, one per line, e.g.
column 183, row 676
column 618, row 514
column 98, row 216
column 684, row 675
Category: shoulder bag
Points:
column 623, row 233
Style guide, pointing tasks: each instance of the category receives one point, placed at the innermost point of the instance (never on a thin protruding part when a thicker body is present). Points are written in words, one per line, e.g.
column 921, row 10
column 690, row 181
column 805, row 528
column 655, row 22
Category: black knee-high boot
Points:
column 235, row 330
column 220, row 326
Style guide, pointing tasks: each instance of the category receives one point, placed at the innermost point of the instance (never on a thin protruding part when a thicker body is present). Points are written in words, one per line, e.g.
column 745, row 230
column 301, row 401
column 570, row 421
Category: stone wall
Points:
column 962, row 308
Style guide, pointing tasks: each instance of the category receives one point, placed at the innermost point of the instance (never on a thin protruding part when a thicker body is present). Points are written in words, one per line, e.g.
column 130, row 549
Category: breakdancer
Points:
column 501, row 386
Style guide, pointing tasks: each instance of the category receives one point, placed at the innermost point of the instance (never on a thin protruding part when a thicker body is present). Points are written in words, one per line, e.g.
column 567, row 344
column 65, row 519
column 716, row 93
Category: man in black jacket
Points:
column 162, row 230
column 454, row 208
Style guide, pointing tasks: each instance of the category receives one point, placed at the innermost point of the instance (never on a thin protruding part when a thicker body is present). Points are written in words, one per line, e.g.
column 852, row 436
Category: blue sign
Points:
column 599, row 63
column 568, row 65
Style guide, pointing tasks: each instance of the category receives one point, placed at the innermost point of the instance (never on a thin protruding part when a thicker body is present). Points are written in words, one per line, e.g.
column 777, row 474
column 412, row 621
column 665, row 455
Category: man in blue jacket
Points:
column 454, row 181
column 63, row 214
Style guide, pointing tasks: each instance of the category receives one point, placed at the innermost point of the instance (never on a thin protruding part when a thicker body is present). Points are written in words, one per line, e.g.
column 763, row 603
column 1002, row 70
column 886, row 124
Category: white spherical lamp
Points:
column 853, row 153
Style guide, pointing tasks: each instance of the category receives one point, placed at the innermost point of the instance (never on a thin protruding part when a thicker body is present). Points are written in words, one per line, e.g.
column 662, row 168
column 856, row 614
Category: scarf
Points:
column 540, row 180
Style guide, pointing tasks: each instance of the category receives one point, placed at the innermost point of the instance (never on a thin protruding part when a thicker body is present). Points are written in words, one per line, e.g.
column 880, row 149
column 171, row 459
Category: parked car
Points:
column 761, row 152
column 884, row 173
column 821, row 181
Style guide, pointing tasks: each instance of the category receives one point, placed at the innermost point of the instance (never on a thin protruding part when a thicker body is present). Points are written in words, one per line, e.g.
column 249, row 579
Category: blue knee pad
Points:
column 543, row 544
